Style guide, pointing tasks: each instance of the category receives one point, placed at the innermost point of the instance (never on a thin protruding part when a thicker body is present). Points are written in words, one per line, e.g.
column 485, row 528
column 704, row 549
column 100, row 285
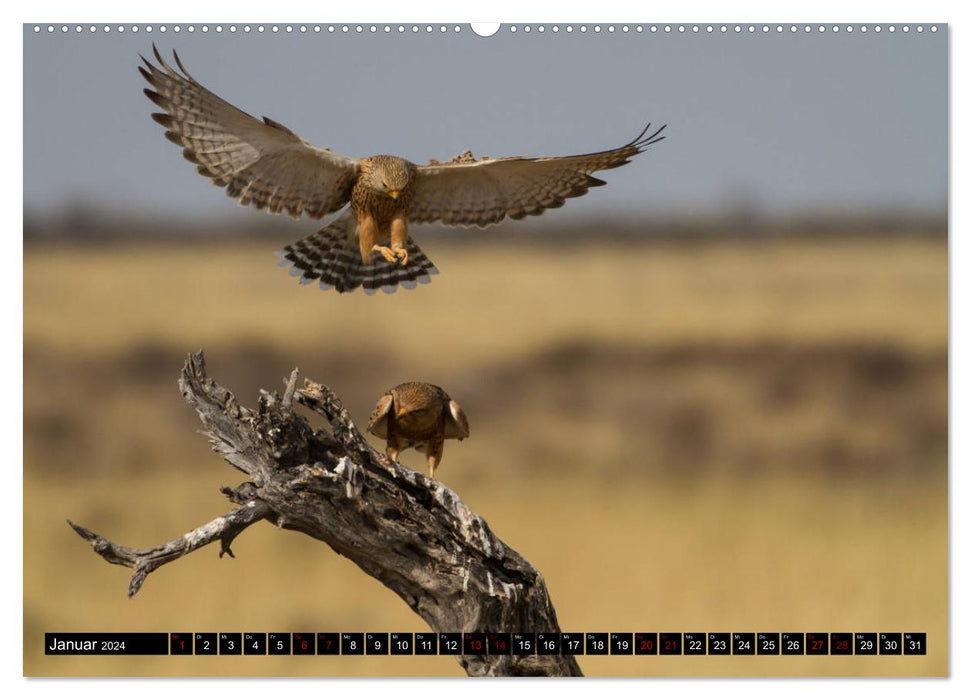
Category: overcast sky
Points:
column 779, row 121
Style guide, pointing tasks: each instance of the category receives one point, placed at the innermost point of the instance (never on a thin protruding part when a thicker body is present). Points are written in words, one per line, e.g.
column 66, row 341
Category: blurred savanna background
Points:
column 711, row 396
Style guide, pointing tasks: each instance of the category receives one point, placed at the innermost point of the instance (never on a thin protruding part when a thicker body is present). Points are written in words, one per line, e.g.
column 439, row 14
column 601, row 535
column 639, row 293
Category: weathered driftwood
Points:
column 410, row 532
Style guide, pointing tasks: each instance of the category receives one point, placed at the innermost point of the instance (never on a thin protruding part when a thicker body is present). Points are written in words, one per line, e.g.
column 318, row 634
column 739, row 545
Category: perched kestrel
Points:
column 267, row 165
column 419, row 415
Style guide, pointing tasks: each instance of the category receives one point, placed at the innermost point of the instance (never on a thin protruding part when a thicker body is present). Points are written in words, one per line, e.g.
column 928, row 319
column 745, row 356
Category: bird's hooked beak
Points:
column 394, row 194
column 401, row 412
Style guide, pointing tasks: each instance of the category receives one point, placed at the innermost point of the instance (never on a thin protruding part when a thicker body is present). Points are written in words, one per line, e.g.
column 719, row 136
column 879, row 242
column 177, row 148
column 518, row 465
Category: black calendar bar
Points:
column 254, row 643
column 548, row 643
column 426, row 644
column 915, row 643
column 376, row 643
column 793, row 643
column 645, row 643
column 230, row 644
column 694, row 643
column 181, row 643
column 719, row 644
column 105, row 643
column 278, row 643
column 206, row 643
column 303, row 644
column 865, row 644
column 498, row 644
column 328, row 643
column 523, row 644
column 474, row 644
column 654, row 644
column 352, row 643
column 402, row 643
column 571, row 643
column 840, row 643
column 669, row 643
column 767, row 643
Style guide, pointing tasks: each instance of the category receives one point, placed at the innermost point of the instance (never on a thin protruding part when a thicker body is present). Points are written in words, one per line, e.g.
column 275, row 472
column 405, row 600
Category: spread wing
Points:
column 259, row 163
column 468, row 192
column 456, row 424
column 378, row 424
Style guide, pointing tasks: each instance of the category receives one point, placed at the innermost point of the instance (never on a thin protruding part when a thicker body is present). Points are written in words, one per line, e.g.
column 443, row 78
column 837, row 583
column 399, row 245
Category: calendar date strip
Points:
column 488, row 644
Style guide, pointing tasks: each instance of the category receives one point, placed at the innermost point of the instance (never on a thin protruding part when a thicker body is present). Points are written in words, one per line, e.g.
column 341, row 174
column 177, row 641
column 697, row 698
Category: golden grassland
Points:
column 770, row 555
column 707, row 436
column 493, row 301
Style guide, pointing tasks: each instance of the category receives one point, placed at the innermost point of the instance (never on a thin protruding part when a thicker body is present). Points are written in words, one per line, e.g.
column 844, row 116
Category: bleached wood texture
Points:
column 412, row 533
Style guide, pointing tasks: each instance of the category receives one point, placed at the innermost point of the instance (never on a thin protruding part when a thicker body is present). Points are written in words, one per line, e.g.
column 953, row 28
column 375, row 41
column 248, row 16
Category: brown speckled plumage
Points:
column 265, row 164
column 377, row 174
column 419, row 415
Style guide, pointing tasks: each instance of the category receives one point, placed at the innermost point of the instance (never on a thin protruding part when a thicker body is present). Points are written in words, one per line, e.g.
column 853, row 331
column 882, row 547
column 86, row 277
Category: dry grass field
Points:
column 698, row 436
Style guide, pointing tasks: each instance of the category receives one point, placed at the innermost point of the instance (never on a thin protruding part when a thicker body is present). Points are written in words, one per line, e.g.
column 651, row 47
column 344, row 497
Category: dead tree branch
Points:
column 410, row 532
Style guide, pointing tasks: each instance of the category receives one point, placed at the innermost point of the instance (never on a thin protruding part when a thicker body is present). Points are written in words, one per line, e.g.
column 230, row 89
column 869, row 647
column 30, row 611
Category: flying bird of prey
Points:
column 419, row 415
column 265, row 164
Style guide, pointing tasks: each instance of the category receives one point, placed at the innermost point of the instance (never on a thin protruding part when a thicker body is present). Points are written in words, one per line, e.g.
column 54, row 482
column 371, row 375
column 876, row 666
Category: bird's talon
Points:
column 386, row 253
column 402, row 256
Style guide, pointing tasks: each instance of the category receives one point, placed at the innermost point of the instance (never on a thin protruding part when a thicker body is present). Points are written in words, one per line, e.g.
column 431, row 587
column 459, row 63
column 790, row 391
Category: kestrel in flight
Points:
column 265, row 164
column 419, row 415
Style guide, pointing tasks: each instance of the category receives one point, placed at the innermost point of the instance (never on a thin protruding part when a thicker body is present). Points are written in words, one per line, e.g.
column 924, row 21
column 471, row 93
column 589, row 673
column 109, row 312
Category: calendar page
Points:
column 546, row 349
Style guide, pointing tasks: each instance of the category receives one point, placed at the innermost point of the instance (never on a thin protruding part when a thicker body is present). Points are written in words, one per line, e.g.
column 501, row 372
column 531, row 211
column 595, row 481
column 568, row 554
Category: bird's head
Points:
column 390, row 176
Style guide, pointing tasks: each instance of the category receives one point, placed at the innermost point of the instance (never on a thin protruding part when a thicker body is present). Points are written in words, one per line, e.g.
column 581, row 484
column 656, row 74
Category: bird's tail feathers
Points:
column 331, row 256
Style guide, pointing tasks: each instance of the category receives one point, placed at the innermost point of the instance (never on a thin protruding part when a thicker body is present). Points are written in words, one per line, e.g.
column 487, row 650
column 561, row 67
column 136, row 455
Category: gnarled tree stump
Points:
column 410, row 532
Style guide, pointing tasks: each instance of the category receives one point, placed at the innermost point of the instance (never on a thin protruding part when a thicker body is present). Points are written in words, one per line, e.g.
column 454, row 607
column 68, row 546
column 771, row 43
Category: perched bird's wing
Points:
column 469, row 192
column 378, row 424
column 456, row 424
column 259, row 163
